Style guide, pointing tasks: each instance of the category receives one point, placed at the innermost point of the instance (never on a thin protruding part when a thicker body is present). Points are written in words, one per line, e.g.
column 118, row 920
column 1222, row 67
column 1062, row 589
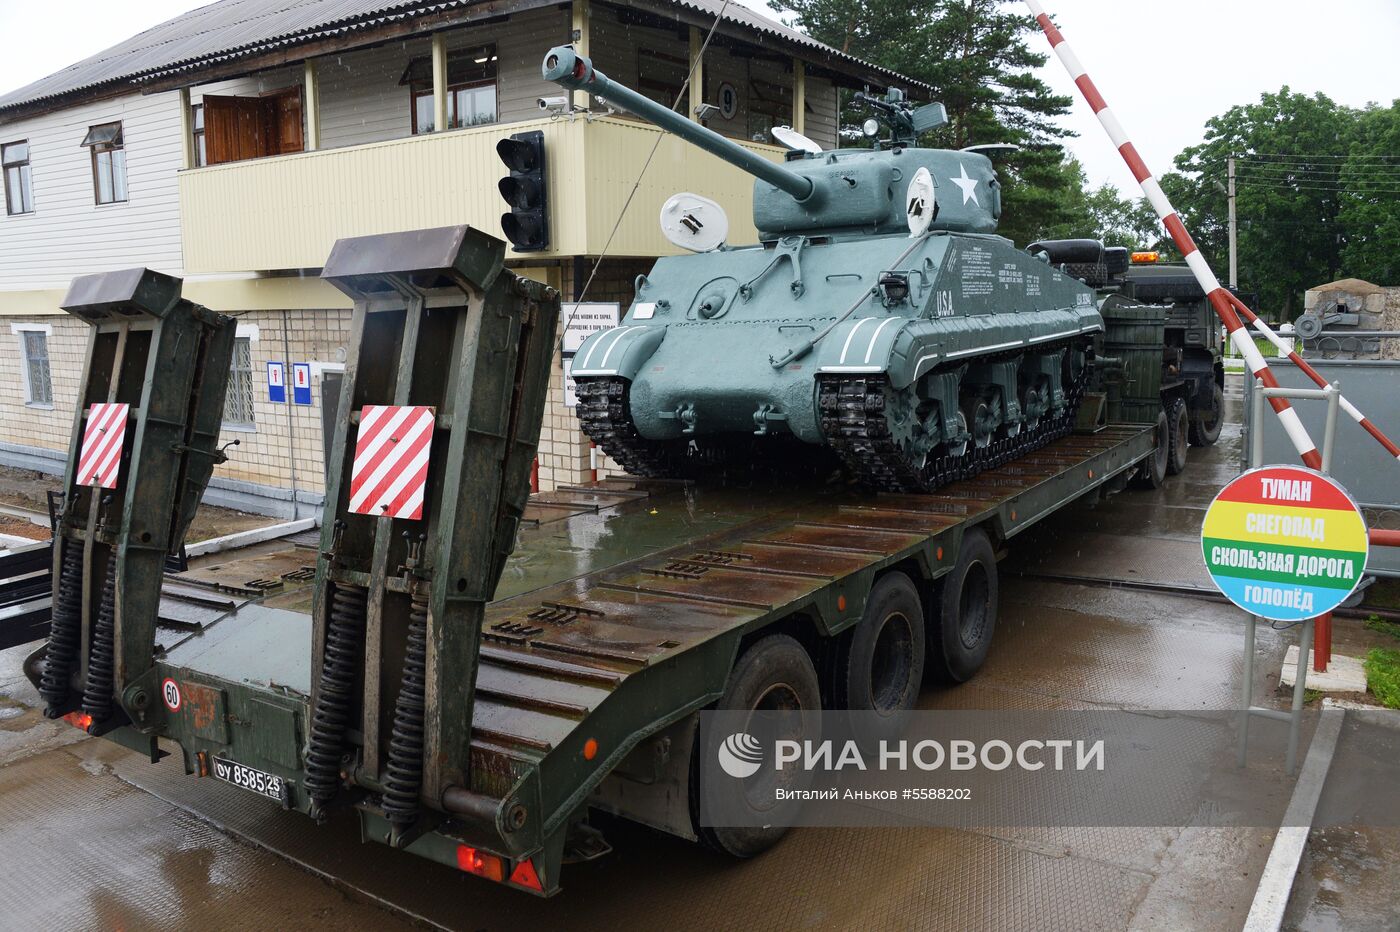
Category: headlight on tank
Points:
column 894, row 288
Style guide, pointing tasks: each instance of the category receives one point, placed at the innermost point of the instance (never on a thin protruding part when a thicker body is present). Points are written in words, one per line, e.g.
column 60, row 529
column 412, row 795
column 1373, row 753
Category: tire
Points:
column 775, row 672
column 1153, row 471
column 880, row 664
column 961, row 634
column 1205, row 428
column 1180, row 423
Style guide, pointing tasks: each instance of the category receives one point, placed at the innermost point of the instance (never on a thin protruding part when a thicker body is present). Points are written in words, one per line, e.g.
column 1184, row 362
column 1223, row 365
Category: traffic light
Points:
column 527, row 224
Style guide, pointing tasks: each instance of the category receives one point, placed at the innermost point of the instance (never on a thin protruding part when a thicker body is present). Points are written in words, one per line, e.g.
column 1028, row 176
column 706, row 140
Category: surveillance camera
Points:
column 553, row 105
column 705, row 112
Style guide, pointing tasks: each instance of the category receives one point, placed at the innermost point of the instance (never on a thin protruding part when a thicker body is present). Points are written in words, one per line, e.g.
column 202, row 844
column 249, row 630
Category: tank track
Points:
column 853, row 421
column 604, row 412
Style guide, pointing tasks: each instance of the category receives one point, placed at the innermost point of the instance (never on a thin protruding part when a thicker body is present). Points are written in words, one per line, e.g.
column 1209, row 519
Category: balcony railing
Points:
column 286, row 212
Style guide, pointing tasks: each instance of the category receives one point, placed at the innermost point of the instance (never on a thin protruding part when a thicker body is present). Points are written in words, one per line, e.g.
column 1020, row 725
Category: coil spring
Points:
column 403, row 782
column 97, row 693
column 334, row 704
column 65, row 630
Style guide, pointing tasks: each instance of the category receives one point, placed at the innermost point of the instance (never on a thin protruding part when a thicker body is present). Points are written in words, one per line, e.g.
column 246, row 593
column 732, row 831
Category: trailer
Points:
column 473, row 670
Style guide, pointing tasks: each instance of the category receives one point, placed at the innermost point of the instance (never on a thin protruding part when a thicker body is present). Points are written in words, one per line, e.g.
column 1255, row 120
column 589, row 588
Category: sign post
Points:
column 301, row 383
column 277, row 383
column 1287, row 544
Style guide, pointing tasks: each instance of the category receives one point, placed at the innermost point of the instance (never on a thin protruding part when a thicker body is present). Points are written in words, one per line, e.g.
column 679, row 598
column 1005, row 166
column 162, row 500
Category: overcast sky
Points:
column 1164, row 67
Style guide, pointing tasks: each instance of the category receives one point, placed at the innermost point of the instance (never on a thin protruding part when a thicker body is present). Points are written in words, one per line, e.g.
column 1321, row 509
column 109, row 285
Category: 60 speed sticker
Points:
column 170, row 692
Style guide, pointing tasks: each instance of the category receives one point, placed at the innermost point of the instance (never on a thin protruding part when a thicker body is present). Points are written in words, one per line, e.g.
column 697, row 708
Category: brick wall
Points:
column 49, row 427
column 286, row 439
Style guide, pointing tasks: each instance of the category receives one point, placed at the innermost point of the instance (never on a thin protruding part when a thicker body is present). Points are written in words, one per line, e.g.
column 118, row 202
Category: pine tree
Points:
column 977, row 58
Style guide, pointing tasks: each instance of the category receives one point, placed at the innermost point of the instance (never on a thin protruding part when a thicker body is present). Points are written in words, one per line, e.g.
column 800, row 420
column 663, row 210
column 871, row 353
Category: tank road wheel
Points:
column 1205, row 428
column 880, row 665
column 774, row 674
column 982, row 415
column 1180, row 423
column 1153, row 470
column 961, row 633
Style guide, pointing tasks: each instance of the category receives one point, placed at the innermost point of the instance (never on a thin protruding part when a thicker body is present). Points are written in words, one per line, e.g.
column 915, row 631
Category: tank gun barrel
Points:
column 567, row 68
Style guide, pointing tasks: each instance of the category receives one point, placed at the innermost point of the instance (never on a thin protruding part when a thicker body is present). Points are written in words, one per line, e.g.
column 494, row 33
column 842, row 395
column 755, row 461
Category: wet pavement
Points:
column 92, row 835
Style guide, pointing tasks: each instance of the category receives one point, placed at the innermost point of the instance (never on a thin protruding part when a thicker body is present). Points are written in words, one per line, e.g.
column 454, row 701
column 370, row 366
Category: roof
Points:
column 231, row 29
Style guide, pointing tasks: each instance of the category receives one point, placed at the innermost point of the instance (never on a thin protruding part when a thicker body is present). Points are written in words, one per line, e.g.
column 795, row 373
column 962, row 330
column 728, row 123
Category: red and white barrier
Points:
column 1219, row 297
column 1351, row 409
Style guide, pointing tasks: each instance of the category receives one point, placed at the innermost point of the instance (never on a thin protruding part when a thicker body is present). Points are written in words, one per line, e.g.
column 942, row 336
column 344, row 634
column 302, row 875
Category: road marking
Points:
column 1271, row 897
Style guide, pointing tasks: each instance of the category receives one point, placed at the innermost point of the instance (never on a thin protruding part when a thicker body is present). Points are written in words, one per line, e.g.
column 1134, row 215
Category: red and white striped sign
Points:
column 390, row 471
column 100, row 457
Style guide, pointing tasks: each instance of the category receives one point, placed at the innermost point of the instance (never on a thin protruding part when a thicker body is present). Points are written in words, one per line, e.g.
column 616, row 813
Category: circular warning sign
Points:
column 170, row 692
column 1285, row 543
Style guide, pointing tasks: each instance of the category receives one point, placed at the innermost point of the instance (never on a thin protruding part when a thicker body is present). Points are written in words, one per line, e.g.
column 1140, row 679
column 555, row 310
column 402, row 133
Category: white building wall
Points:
column 68, row 233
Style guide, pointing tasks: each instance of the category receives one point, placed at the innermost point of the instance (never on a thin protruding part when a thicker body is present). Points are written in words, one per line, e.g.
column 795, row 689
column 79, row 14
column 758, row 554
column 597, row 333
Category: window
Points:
column 38, row 378
column 201, row 156
column 108, row 162
column 661, row 77
column 238, row 403
column 19, row 190
column 770, row 105
column 471, row 89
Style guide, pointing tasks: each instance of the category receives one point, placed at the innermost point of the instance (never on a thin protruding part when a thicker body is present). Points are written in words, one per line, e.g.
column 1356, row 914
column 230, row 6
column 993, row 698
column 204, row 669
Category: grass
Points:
column 1383, row 676
column 1381, row 626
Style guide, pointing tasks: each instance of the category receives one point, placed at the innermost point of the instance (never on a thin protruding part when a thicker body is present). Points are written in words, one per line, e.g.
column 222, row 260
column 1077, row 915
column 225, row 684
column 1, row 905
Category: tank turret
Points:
column 879, row 318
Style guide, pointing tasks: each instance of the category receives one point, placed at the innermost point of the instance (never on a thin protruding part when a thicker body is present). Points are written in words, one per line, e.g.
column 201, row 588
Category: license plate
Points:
column 250, row 778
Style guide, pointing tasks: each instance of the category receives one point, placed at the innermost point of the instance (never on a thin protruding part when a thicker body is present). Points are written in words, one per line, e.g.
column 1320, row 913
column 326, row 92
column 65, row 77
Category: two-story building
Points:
column 234, row 144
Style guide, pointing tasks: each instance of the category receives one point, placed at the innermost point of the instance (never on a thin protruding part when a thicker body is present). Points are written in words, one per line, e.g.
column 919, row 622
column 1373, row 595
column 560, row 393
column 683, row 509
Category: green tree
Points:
column 977, row 58
column 1290, row 151
column 1121, row 221
column 1370, row 205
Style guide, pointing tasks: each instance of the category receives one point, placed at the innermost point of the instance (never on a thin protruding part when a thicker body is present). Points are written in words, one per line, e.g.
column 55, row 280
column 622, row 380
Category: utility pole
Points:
column 1233, row 225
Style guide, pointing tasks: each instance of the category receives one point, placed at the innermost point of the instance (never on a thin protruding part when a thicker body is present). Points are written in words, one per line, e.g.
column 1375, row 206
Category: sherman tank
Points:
column 880, row 316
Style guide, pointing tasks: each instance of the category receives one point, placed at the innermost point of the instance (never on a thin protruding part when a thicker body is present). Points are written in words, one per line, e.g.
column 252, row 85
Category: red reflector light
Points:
column 524, row 875
column 480, row 863
column 78, row 720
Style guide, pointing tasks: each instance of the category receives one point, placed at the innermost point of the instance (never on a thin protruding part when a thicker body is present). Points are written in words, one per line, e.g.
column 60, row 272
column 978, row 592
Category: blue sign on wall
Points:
column 277, row 383
column 301, row 383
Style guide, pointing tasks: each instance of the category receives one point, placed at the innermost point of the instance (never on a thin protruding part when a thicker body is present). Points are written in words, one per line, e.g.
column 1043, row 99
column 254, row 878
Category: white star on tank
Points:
column 968, row 185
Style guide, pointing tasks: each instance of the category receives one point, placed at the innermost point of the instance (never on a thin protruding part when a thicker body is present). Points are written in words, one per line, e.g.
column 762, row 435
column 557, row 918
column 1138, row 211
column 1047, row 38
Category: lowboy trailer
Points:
column 480, row 668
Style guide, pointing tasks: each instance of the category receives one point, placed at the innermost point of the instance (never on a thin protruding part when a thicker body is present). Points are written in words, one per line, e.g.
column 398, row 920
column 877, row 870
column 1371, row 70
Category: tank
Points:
column 880, row 318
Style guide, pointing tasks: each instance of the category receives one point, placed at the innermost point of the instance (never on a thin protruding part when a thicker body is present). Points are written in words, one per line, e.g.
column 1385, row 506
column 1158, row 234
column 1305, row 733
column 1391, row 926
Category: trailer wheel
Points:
column 774, row 674
column 961, row 634
column 1153, row 471
column 1179, row 421
column 880, row 666
column 1205, row 428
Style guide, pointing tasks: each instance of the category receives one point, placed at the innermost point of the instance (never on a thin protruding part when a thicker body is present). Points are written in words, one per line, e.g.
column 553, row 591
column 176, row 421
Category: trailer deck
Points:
column 620, row 596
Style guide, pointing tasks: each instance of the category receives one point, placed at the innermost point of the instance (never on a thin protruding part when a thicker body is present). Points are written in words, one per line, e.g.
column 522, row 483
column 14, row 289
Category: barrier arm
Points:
column 1251, row 318
column 1218, row 296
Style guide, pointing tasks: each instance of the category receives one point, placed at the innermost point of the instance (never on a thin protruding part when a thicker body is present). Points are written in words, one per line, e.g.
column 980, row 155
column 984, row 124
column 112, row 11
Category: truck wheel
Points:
column 1153, row 471
column 774, row 674
column 1180, row 421
column 881, row 663
column 1205, row 428
column 967, row 611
